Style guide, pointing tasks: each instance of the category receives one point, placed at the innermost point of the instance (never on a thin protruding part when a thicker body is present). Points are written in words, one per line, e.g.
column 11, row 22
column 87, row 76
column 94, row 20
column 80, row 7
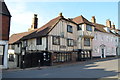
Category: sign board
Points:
column 62, row 46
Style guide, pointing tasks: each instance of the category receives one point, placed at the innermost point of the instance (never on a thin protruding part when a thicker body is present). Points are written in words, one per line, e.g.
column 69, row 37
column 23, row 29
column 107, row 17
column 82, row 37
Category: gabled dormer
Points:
column 85, row 28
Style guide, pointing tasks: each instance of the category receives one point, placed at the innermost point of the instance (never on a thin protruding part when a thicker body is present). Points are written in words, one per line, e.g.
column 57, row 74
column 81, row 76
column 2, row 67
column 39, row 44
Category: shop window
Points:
column 11, row 57
column 62, row 57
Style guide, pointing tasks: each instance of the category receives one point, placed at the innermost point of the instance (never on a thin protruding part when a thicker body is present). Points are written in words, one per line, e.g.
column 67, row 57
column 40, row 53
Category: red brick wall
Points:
column 4, row 27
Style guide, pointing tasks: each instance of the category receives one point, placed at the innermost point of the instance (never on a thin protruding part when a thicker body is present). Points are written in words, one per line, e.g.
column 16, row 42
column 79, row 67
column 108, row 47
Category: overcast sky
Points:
column 22, row 12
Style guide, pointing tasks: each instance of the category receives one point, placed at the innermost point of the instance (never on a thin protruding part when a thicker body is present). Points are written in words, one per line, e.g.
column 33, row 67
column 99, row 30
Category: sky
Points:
column 22, row 12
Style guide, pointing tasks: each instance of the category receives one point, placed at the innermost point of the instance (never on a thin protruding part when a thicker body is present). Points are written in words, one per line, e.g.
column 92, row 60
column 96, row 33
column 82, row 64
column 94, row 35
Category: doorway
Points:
column 103, row 53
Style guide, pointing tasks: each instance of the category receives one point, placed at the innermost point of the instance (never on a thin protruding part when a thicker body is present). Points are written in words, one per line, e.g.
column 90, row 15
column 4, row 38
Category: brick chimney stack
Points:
column 108, row 23
column 34, row 23
column 93, row 20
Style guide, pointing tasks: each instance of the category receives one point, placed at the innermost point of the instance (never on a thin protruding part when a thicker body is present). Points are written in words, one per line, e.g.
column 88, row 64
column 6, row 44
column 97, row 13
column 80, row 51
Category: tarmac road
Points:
column 106, row 68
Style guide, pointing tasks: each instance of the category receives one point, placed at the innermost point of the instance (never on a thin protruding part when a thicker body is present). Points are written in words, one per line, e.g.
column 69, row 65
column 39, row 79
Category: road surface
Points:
column 107, row 68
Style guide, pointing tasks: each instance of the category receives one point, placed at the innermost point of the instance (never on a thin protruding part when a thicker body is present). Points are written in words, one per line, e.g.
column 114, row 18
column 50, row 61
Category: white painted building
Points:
column 105, row 42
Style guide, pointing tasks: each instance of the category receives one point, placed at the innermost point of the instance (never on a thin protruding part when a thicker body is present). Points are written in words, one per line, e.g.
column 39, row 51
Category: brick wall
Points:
column 4, row 27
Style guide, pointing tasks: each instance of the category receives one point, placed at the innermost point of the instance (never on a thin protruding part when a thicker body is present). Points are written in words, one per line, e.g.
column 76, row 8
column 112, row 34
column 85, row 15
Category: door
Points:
column 18, row 61
column 102, row 52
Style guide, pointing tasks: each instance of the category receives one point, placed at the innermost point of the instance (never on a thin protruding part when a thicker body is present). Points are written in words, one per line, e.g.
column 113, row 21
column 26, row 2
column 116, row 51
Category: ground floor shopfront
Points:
column 49, row 58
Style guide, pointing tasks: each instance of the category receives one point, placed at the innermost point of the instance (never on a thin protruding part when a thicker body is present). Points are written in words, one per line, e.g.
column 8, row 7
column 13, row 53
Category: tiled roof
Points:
column 16, row 37
column 99, row 27
column 45, row 29
column 3, row 9
column 81, row 20
column 42, row 31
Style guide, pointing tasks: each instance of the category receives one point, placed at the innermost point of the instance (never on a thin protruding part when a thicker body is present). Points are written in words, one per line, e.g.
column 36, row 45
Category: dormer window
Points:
column 69, row 28
column 89, row 28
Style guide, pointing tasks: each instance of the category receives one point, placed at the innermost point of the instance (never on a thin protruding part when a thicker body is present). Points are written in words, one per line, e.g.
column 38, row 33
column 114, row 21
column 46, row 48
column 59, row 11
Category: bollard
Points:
column 39, row 63
column 23, row 65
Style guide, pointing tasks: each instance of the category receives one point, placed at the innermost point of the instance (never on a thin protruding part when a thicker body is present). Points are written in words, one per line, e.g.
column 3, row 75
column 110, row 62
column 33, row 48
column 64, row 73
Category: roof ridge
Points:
column 44, row 26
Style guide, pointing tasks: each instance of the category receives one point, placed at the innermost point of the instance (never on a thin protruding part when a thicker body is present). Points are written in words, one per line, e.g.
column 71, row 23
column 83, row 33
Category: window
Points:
column 95, row 37
column 70, row 42
column 24, row 43
column 79, row 27
column 56, row 40
column 62, row 57
column 116, row 40
column 1, row 54
column 86, row 41
column 11, row 57
column 102, row 38
column 75, row 43
column 69, row 28
column 17, row 45
column 12, row 47
column 89, row 28
column 39, row 41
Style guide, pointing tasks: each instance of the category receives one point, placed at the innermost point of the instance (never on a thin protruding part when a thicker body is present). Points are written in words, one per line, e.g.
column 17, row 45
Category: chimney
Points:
column 108, row 23
column 34, row 23
column 60, row 14
column 113, row 26
column 93, row 20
